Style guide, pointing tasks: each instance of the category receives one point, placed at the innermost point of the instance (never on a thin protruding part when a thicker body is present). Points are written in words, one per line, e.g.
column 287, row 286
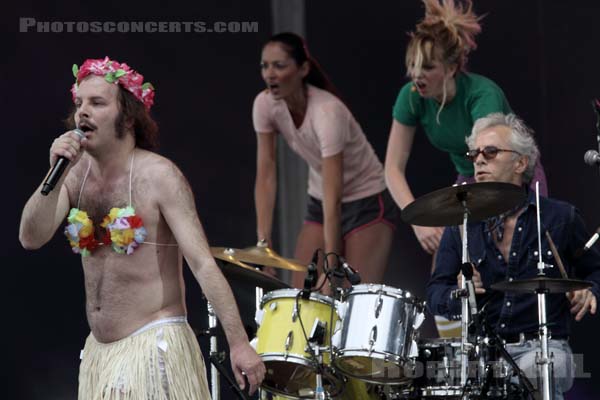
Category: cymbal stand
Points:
column 543, row 360
column 214, row 373
column 216, row 362
column 258, row 291
column 465, row 346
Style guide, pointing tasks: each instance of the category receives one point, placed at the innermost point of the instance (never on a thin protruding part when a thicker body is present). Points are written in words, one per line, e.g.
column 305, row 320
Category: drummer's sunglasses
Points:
column 489, row 152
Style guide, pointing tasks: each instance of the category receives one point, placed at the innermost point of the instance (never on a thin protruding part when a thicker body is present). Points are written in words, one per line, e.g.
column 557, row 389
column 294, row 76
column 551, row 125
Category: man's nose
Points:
column 480, row 159
column 83, row 111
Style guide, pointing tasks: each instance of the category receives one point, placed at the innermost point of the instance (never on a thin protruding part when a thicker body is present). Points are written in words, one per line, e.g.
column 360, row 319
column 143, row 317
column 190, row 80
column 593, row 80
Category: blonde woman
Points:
column 442, row 98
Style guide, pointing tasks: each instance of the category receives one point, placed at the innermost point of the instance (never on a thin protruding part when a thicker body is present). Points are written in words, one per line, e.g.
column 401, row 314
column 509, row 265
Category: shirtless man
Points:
column 140, row 345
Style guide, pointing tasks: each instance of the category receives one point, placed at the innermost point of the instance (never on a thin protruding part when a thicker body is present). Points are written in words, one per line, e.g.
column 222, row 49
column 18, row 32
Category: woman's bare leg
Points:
column 310, row 238
column 368, row 250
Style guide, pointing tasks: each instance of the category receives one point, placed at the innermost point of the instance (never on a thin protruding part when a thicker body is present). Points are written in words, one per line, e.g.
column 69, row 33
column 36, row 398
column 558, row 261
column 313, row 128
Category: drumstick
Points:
column 561, row 267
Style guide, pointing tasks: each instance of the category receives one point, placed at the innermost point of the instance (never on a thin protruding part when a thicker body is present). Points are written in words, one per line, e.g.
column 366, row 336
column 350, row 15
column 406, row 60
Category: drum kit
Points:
column 363, row 343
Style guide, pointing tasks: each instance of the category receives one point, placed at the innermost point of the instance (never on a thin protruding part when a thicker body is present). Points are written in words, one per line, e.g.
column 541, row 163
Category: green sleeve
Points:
column 487, row 101
column 406, row 107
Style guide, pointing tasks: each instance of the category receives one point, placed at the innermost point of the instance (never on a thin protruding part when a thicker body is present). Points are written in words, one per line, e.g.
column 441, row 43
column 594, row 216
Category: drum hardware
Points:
column 468, row 300
column 315, row 344
column 494, row 343
column 214, row 372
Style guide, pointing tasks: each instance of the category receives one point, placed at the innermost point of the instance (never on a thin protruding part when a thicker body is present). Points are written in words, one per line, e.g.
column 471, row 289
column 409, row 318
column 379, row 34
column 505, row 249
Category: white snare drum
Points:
column 379, row 328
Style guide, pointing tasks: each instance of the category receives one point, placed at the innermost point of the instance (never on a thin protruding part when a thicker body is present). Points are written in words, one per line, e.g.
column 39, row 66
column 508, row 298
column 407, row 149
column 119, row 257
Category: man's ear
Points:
column 522, row 162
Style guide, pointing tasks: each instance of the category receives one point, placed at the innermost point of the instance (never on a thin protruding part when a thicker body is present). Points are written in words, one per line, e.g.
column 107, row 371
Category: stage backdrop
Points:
column 542, row 54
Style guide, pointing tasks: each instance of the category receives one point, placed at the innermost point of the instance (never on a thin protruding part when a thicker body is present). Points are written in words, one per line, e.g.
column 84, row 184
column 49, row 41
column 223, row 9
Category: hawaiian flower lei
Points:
column 114, row 72
column 80, row 232
column 126, row 229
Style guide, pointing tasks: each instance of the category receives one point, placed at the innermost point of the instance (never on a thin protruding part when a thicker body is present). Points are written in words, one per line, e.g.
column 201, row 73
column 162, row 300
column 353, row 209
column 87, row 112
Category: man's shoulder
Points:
column 559, row 204
column 155, row 166
column 556, row 207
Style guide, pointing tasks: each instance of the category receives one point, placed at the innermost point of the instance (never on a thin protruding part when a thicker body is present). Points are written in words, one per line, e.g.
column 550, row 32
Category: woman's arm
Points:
column 265, row 185
column 398, row 152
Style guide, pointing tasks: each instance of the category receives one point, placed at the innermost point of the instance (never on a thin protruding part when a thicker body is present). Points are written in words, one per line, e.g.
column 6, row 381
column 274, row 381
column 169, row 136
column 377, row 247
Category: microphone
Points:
column 591, row 157
column 350, row 272
column 58, row 169
column 311, row 276
column 589, row 244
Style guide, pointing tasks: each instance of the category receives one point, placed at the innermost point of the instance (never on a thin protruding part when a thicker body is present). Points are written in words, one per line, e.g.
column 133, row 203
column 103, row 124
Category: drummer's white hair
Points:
column 521, row 139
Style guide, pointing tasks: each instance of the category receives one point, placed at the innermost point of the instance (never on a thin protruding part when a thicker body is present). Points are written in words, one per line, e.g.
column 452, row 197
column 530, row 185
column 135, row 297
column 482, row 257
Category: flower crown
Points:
column 113, row 72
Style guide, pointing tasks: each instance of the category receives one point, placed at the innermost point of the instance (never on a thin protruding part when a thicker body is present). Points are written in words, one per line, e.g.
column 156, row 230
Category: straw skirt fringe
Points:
column 160, row 363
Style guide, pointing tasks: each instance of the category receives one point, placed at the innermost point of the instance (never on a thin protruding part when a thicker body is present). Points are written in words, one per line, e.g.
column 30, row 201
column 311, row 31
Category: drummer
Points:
column 505, row 247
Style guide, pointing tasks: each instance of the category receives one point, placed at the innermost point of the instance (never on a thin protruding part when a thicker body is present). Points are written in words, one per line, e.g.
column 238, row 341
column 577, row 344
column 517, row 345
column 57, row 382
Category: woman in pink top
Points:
column 349, row 211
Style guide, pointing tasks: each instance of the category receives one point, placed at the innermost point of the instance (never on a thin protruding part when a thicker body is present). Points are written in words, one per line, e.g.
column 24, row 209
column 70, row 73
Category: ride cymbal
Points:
column 444, row 207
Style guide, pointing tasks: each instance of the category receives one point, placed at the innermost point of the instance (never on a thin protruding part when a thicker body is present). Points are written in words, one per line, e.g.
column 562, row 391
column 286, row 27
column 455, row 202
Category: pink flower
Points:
column 114, row 72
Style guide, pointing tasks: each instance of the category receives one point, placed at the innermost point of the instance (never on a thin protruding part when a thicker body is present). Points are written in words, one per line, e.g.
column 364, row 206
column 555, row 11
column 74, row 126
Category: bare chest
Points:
column 97, row 197
column 506, row 242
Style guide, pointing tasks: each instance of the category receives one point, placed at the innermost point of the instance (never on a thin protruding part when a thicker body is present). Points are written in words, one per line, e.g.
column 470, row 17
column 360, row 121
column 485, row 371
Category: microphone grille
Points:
column 79, row 133
column 591, row 157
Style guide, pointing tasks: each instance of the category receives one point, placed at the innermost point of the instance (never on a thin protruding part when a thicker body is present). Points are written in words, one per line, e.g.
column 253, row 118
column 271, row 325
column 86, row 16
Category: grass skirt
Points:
column 161, row 361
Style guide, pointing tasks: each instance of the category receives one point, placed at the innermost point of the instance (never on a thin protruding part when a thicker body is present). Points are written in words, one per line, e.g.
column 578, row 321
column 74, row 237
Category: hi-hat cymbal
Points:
column 238, row 271
column 259, row 255
column 541, row 283
column 444, row 207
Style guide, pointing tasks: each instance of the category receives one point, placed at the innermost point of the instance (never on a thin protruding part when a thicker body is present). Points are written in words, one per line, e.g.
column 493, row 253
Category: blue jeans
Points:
column 561, row 356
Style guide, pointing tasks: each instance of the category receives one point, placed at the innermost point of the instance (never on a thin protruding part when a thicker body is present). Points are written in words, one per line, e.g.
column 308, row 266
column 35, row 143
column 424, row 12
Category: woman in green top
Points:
column 443, row 99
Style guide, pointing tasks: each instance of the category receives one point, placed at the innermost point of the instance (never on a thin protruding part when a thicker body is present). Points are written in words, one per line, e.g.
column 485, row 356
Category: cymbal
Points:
column 238, row 271
column 444, row 207
column 551, row 285
column 259, row 255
